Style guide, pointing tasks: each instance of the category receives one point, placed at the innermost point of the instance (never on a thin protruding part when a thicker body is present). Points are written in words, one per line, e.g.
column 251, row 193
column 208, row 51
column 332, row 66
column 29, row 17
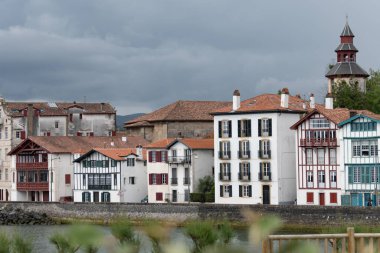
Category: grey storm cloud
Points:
column 140, row 55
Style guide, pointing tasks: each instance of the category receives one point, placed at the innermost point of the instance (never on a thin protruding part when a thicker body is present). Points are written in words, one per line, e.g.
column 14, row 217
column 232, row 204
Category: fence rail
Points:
column 349, row 242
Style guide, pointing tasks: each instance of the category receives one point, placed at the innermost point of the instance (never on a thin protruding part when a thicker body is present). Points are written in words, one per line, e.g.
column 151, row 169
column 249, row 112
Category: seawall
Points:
column 290, row 214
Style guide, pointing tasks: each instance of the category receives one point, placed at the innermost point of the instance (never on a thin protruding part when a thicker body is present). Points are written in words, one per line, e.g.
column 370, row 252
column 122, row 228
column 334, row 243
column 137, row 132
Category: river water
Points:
column 39, row 237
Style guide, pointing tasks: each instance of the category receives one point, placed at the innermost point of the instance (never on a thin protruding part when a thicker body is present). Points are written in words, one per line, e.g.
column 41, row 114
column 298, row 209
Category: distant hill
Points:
column 120, row 119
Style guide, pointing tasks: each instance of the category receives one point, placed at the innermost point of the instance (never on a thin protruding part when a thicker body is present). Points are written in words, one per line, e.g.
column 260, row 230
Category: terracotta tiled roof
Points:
column 190, row 142
column 116, row 153
column 266, row 102
column 140, row 124
column 80, row 144
column 336, row 115
column 182, row 111
column 15, row 109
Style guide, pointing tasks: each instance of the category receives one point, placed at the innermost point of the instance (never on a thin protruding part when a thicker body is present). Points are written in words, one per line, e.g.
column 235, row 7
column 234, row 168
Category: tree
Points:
column 206, row 184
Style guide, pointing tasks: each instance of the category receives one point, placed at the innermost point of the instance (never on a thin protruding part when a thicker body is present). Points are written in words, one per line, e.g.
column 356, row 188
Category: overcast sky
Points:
column 141, row 55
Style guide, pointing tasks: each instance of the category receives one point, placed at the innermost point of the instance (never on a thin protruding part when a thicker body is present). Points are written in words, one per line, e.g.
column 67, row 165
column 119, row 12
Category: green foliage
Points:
column 5, row 244
column 197, row 197
column 203, row 234
column 210, row 197
column 206, row 184
column 21, row 245
column 122, row 230
column 225, row 232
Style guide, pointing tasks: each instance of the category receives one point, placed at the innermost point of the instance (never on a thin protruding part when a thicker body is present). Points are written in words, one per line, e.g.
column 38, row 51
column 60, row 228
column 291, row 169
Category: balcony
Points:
column 179, row 159
column 264, row 154
column 32, row 166
column 225, row 176
column 244, row 176
column 265, row 176
column 246, row 154
column 224, row 154
column 325, row 142
column 174, row 181
column 32, row 186
column 186, row 181
column 99, row 187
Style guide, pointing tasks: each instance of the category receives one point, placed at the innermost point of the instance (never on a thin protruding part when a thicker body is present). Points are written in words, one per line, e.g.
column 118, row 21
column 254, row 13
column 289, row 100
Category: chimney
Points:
column 285, row 98
column 112, row 143
column 236, row 100
column 312, row 101
column 139, row 151
column 329, row 101
column 29, row 120
column 124, row 138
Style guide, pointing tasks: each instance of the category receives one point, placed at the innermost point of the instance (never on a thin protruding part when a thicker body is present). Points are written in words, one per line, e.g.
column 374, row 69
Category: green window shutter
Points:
column 363, row 175
column 350, row 175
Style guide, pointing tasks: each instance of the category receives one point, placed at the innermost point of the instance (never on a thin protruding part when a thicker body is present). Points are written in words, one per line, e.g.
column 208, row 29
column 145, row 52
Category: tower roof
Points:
column 347, row 31
column 347, row 69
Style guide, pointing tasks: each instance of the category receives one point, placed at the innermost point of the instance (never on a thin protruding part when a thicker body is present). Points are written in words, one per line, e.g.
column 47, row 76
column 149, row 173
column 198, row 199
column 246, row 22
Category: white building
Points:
column 175, row 167
column 18, row 120
column 42, row 167
column 255, row 154
column 110, row 175
column 360, row 159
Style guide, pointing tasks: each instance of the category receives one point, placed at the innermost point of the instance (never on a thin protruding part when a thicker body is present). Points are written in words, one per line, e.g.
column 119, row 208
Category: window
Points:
column 333, row 197
column 164, row 179
column 154, row 179
column 84, row 180
column 18, row 134
column 115, row 179
column 163, row 156
column 333, row 179
column 244, row 149
column 374, row 175
column 265, row 127
column 43, row 176
column 99, row 181
column 1, row 172
column 245, row 169
column 357, row 175
column 225, row 129
column 153, row 156
column 86, row 197
column 56, row 124
column 159, row 196
column 225, row 171
column 244, row 128
column 310, row 178
column 364, row 148
column 113, row 163
column 245, row 191
column 363, row 126
column 310, row 197
column 131, row 180
column 319, row 123
column 130, row 162
column 6, row 174
column 6, row 132
column 264, row 151
column 332, row 156
column 106, row 197
column 225, row 152
column 226, row 191
column 321, row 178
column 309, row 156
column 321, row 156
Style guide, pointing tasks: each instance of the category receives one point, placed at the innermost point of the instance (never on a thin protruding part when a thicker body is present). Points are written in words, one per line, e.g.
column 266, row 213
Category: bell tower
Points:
column 346, row 69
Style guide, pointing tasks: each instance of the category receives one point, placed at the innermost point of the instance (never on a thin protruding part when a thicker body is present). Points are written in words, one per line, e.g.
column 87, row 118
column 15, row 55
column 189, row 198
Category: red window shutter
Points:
column 158, row 178
column 79, row 134
column 150, row 179
column 48, row 133
column 113, row 133
column 333, row 197
column 67, row 179
column 22, row 135
column 150, row 156
column 91, row 133
column 310, row 197
column 159, row 196
column 158, row 156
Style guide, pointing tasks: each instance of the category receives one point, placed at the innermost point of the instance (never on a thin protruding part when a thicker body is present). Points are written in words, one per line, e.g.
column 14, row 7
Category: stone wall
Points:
column 304, row 215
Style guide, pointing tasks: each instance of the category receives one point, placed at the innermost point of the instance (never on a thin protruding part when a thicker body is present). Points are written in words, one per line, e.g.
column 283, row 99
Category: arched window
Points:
column 106, row 197
column 86, row 197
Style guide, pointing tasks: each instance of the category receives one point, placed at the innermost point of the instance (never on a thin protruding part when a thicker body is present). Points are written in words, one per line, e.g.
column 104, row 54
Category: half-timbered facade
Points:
column 110, row 175
column 254, row 154
column 319, row 178
column 360, row 138
column 175, row 167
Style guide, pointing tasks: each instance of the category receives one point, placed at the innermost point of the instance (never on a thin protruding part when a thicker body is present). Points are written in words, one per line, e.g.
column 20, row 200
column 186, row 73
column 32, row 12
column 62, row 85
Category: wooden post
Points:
column 351, row 240
column 265, row 246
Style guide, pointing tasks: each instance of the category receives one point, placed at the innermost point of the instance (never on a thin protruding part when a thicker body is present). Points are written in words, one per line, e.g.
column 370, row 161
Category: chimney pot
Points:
column 312, row 101
column 285, row 98
column 329, row 101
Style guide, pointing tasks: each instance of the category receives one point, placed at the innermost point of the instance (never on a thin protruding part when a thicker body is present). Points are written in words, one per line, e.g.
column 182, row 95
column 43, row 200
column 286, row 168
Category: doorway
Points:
column 266, row 195
column 96, row 196
column 321, row 199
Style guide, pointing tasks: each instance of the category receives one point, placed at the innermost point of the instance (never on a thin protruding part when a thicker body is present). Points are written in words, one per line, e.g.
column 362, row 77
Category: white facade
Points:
column 99, row 178
column 256, row 175
column 176, row 172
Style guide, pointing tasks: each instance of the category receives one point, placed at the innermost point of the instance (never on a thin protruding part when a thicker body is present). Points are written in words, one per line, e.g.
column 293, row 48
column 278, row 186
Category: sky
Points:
column 141, row 55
